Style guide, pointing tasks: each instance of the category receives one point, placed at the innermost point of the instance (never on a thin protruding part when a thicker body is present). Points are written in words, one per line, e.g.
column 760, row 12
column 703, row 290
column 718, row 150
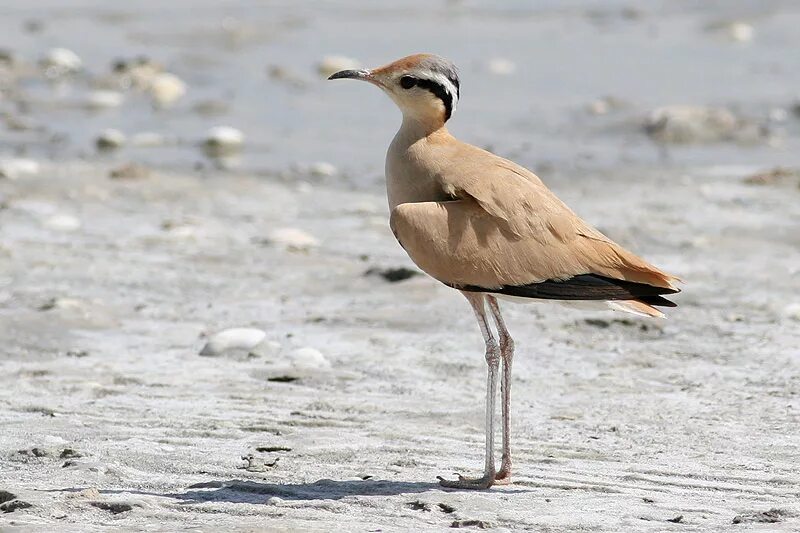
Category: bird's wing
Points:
column 505, row 228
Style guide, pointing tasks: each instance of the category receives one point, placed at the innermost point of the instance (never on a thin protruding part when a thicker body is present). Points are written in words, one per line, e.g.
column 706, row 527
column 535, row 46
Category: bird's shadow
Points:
column 242, row 491
column 253, row 492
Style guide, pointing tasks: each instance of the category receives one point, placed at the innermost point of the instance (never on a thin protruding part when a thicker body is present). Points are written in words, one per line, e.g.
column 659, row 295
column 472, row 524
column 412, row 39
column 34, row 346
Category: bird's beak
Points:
column 363, row 74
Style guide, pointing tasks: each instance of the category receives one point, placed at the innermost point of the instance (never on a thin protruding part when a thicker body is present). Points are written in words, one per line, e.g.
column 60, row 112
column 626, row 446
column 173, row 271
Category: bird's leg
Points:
column 493, row 362
column 507, row 354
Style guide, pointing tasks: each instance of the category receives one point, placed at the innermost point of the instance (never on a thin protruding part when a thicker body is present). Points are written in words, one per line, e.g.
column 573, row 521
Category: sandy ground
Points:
column 110, row 287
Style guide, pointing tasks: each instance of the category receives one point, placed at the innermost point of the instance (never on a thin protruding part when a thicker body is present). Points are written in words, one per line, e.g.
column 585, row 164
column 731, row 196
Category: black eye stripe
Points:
column 438, row 90
column 407, row 82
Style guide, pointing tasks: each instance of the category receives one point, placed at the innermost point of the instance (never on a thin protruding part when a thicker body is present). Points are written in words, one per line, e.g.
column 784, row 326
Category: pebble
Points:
column 60, row 61
column 501, row 67
column 110, row 139
column 792, row 311
column 129, row 171
column 233, row 339
column 334, row 63
column 683, row 124
column 223, row 140
column 741, row 32
column 308, row 359
column 18, row 167
column 62, row 223
column 605, row 105
column 165, row 89
column 322, row 169
column 293, row 239
column 104, row 99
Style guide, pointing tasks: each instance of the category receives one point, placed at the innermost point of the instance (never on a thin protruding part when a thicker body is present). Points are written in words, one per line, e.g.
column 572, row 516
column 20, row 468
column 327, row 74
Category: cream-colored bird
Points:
column 490, row 228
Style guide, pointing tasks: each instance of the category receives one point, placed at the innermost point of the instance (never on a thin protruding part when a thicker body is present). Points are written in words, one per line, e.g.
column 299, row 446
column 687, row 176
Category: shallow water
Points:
column 566, row 54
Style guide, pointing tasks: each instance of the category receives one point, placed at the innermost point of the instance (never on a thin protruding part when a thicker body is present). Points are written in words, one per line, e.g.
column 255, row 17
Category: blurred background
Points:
column 203, row 311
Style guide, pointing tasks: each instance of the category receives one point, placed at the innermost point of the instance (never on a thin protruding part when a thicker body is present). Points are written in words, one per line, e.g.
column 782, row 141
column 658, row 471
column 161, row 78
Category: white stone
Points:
column 62, row 222
column 293, row 239
column 62, row 60
column 322, row 169
column 165, row 89
column 501, row 66
column 308, row 359
column 104, row 99
column 233, row 339
column 741, row 32
column 18, row 167
column 792, row 311
column 691, row 124
column 110, row 139
column 223, row 139
column 334, row 63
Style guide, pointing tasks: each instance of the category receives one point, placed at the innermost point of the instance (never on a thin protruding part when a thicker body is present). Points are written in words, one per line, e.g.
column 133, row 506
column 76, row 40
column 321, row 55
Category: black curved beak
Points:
column 362, row 74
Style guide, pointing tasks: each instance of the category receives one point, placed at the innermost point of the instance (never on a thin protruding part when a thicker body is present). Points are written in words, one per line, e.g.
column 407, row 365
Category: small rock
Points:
column 60, row 61
column 501, row 67
column 110, row 139
column 740, row 32
column 683, row 124
column 766, row 517
column 257, row 464
column 18, row 167
column 233, row 339
column 130, row 171
column 62, row 223
column 293, row 239
column 480, row 524
column 165, row 89
column 792, row 311
column 6, row 496
column 605, row 105
column 10, row 507
column 392, row 275
column 69, row 453
column 322, row 169
column 417, row 505
column 104, row 99
column 334, row 63
column 308, row 359
column 677, row 520
column 223, row 140
column 113, row 507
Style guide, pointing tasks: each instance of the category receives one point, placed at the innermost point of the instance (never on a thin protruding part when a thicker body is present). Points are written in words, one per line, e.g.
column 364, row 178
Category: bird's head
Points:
column 424, row 86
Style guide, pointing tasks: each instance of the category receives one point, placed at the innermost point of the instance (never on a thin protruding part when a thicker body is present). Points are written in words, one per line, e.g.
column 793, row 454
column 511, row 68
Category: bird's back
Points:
column 488, row 223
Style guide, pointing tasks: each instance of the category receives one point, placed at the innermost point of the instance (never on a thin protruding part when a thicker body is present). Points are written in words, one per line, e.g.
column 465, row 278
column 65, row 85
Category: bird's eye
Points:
column 407, row 82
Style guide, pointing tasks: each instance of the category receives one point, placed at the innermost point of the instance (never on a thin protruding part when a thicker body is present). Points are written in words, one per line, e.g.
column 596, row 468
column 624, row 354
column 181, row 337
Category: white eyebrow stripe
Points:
column 444, row 82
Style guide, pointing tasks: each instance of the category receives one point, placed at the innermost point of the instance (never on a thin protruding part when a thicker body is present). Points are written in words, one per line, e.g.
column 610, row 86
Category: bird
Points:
column 491, row 229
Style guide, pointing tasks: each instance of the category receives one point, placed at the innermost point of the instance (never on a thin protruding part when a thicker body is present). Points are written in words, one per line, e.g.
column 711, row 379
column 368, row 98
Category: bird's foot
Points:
column 503, row 477
column 462, row 482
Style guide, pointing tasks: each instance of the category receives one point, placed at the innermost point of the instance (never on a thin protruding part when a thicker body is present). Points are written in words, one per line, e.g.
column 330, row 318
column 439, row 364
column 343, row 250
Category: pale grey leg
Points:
column 507, row 354
column 477, row 300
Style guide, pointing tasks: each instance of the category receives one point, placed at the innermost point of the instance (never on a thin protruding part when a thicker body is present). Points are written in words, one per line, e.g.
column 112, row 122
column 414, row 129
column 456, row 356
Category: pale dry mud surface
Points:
column 110, row 287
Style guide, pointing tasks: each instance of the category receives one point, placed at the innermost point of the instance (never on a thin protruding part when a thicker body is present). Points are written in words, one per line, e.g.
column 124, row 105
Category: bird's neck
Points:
column 417, row 127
